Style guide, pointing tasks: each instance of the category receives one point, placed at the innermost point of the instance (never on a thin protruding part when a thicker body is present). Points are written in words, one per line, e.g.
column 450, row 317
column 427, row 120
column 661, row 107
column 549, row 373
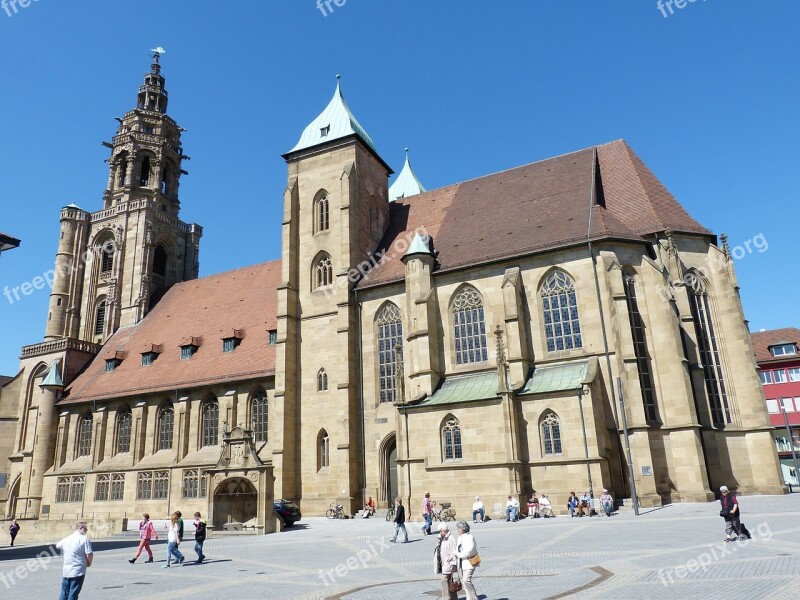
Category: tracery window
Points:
column 100, row 317
column 323, row 450
column 124, row 431
column 259, row 409
column 551, row 434
column 560, row 309
column 469, row 328
column 321, row 213
column 451, row 440
column 708, row 350
column 85, row 435
column 323, row 271
column 102, row 487
column 210, row 423
column 166, row 418
column 390, row 336
column 640, row 349
column 322, row 380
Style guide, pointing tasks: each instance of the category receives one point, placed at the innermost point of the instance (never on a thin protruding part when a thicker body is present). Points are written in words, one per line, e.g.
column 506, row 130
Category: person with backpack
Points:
column 734, row 528
column 199, row 537
column 146, row 533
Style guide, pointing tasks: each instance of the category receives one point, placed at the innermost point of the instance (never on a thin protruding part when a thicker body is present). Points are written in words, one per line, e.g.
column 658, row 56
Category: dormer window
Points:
column 148, row 358
column 230, row 342
column 324, row 131
column 273, row 337
column 783, row 349
column 112, row 363
column 187, row 352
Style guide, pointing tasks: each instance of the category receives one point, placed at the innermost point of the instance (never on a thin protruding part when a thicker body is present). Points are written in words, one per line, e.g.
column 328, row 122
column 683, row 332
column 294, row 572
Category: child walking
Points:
column 146, row 533
column 199, row 537
column 173, row 530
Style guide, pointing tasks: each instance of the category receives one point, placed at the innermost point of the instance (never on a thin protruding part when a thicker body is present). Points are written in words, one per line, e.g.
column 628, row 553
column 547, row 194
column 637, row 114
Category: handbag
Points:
column 475, row 560
column 455, row 583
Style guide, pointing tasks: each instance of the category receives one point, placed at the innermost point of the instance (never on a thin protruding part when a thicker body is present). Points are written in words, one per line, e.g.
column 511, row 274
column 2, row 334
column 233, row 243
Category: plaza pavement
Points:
column 672, row 552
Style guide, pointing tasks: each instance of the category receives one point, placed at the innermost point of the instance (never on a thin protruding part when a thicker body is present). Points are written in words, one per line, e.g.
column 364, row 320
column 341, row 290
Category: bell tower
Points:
column 115, row 264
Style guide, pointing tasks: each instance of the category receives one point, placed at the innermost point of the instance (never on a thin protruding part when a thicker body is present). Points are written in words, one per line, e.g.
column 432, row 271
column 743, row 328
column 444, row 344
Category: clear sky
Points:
column 706, row 96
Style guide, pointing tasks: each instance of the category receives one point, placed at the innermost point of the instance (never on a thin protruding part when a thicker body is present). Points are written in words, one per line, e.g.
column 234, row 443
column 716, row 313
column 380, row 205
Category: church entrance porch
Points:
column 235, row 504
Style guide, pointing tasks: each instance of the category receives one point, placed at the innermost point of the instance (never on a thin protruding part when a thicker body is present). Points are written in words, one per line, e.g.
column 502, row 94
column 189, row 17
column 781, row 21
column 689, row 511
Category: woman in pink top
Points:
column 146, row 533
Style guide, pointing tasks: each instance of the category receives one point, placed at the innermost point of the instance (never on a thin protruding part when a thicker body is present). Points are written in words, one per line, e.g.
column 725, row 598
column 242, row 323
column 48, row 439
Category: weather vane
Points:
column 157, row 52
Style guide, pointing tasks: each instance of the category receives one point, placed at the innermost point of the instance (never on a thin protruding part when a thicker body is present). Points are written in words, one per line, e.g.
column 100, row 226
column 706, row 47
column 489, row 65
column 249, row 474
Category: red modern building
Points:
column 779, row 360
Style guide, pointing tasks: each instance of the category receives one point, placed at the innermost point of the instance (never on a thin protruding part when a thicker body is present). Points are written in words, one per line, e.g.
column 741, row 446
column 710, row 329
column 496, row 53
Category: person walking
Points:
column 427, row 514
column 173, row 530
column 78, row 555
column 199, row 537
column 146, row 533
column 400, row 521
column 444, row 560
column 734, row 528
column 180, row 527
column 13, row 530
column 467, row 553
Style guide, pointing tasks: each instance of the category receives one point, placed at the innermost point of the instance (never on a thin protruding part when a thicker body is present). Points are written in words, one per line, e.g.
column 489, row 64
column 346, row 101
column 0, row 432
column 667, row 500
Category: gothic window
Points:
column 469, row 329
column 640, row 349
column 62, row 489
column 124, row 431
column 210, row 423
column 551, row 434
column 390, row 335
column 451, row 440
column 102, row 487
column 190, row 483
column 85, row 435
column 560, row 309
column 321, row 213
column 144, row 485
column 165, row 421
column 322, row 380
column 100, row 320
column 107, row 256
column 122, row 172
column 160, row 261
column 160, row 485
column 76, row 487
column 323, row 450
column 259, row 409
column 117, row 486
column 322, row 272
column 164, row 180
column 708, row 349
column 144, row 173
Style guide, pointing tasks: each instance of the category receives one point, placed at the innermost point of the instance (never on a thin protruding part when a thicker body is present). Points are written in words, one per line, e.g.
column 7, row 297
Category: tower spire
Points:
column 152, row 95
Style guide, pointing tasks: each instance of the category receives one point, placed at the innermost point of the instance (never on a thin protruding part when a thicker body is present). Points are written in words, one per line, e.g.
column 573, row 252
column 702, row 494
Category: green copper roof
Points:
column 406, row 183
column 53, row 377
column 335, row 122
column 418, row 246
column 465, row 388
column 569, row 376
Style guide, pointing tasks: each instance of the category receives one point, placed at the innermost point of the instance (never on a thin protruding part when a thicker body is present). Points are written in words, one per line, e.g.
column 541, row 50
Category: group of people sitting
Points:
column 542, row 507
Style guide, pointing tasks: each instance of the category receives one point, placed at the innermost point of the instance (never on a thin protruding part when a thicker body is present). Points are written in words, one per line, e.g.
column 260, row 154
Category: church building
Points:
column 508, row 333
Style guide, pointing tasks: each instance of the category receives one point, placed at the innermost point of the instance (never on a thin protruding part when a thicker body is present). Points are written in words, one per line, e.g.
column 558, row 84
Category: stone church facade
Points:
column 487, row 338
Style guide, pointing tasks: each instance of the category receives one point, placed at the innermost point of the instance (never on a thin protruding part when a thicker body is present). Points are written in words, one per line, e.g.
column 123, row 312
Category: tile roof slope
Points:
column 211, row 308
column 536, row 207
column 762, row 340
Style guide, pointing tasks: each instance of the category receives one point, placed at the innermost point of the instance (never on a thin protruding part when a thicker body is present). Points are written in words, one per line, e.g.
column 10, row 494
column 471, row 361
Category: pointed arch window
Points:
column 322, row 381
column 102, row 487
column 560, row 309
column 211, row 423
column 639, row 338
column 390, row 336
column 708, row 349
column 451, row 440
column 321, row 212
column 85, row 435
column 469, row 327
column 323, row 450
column 107, row 250
column 166, row 418
column 259, row 409
column 160, row 261
column 144, row 173
column 551, row 434
column 323, row 271
column 124, row 431
column 100, row 317
column 122, row 170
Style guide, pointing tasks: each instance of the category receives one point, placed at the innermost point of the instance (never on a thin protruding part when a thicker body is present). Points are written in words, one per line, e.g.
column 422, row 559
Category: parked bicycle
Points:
column 336, row 513
column 444, row 512
column 390, row 512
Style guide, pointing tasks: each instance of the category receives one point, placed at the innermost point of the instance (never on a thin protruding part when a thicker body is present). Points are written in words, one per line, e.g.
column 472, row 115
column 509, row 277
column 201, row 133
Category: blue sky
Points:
column 707, row 97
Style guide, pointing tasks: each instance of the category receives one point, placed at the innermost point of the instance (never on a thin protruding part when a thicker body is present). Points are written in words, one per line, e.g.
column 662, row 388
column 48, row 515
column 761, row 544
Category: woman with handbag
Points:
column 446, row 564
column 467, row 552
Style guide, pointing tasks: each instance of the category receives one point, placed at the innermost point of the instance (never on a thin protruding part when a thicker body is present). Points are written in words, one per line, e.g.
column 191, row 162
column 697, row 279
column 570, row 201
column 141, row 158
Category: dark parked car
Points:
column 288, row 511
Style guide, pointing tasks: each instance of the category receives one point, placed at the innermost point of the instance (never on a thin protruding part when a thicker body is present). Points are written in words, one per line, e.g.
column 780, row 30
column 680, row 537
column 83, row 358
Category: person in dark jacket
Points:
column 730, row 512
column 13, row 530
column 180, row 526
column 400, row 521
column 199, row 537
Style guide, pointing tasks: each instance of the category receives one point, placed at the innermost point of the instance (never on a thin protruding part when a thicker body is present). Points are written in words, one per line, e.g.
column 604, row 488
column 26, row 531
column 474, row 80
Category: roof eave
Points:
column 293, row 155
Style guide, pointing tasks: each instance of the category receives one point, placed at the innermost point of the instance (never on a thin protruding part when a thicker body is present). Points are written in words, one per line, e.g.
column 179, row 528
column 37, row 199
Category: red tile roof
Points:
column 762, row 340
column 533, row 208
column 209, row 308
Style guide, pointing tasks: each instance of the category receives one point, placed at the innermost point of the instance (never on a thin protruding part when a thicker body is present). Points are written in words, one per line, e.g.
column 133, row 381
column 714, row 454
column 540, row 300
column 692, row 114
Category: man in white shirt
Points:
column 512, row 509
column 478, row 510
column 78, row 555
column 545, row 507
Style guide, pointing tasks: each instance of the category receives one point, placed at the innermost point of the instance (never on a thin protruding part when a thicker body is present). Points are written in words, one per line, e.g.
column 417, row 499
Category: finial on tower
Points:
column 157, row 52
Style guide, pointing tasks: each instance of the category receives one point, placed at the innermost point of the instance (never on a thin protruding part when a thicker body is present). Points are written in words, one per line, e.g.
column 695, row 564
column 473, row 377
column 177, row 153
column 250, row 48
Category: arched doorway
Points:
column 389, row 489
column 235, row 501
column 11, row 506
